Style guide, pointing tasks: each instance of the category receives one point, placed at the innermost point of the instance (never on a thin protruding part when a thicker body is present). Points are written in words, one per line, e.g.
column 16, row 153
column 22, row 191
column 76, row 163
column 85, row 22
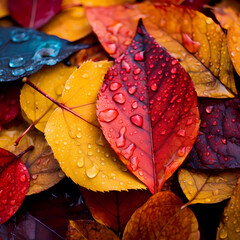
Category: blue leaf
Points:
column 24, row 51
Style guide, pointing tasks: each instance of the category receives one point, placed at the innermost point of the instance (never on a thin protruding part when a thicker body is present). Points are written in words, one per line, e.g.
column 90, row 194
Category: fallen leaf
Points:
column 76, row 139
column 9, row 103
column 161, row 217
column 207, row 186
column 3, row 8
column 51, row 80
column 114, row 209
column 14, row 183
column 70, row 24
column 229, row 227
column 43, row 168
column 147, row 108
column 87, row 229
column 25, row 51
column 33, row 14
column 209, row 67
column 217, row 145
column 105, row 2
column 70, row 3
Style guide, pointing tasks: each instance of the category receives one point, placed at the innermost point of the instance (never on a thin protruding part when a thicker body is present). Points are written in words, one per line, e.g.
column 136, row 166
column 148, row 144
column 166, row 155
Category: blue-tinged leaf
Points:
column 24, row 51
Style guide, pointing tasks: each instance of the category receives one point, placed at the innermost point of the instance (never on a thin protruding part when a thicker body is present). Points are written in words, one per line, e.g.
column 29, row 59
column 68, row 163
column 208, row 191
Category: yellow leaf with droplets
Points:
column 104, row 2
column 207, row 60
column 229, row 227
column 207, row 186
column 3, row 8
column 50, row 79
column 70, row 24
column 44, row 170
column 77, row 140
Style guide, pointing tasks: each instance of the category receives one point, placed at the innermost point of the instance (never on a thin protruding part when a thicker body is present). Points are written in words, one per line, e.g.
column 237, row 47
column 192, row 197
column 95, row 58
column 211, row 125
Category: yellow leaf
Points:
column 229, row 227
column 104, row 2
column 207, row 186
column 208, row 62
column 44, row 170
column 50, row 79
column 70, row 3
column 70, row 24
column 78, row 142
column 3, row 8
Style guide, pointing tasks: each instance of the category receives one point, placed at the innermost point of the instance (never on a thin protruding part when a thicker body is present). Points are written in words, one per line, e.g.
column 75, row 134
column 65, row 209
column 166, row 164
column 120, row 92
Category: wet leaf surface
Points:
column 114, row 209
column 76, row 138
column 14, row 183
column 44, row 170
column 208, row 65
column 218, row 142
column 33, row 14
column 207, row 186
column 24, row 51
column 88, row 229
column 147, row 108
column 161, row 217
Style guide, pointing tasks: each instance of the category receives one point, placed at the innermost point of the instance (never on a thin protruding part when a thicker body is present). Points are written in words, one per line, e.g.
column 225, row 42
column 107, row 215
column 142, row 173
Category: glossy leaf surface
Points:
column 147, row 108
column 70, row 24
column 33, row 13
column 76, row 139
column 44, row 170
column 24, row 51
column 51, row 80
column 207, row 186
column 114, row 209
column 229, row 228
column 161, row 217
column 88, row 229
column 208, row 64
column 217, row 145
column 14, row 183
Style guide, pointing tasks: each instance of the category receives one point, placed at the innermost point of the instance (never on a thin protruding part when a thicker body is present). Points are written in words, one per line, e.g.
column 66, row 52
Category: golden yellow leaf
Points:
column 50, row 79
column 3, row 8
column 89, row 230
column 44, row 170
column 208, row 63
column 207, row 186
column 229, row 227
column 70, row 24
column 104, row 2
column 70, row 3
column 78, row 142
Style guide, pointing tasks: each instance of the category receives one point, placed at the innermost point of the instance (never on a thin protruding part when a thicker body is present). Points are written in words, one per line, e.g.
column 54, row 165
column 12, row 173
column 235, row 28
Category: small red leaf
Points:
column 14, row 183
column 9, row 104
column 33, row 13
column 154, row 120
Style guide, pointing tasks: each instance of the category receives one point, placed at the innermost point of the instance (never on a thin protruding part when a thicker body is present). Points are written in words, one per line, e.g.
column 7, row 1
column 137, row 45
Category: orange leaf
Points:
column 161, row 217
column 3, row 8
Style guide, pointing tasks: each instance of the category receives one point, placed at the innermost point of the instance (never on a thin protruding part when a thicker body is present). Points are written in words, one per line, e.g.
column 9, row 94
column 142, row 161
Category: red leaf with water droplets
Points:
column 33, row 13
column 218, row 142
column 14, row 183
column 9, row 104
column 147, row 108
column 114, row 209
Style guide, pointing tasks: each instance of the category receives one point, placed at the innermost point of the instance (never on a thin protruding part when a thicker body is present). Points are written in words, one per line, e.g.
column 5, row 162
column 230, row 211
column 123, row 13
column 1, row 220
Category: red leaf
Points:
column 14, row 183
column 9, row 104
column 147, row 108
column 218, row 142
column 33, row 13
column 114, row 209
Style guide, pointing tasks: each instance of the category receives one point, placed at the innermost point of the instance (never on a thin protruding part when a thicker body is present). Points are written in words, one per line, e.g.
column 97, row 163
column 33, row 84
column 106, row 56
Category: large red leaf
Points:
column 218, row 142
column 33, row 13
column 147, row 108
column 114, row 209
column 14, row 183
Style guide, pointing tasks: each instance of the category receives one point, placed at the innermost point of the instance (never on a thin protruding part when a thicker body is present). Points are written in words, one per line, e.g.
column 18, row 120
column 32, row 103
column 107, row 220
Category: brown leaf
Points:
column 161, row 217
column 89, row 230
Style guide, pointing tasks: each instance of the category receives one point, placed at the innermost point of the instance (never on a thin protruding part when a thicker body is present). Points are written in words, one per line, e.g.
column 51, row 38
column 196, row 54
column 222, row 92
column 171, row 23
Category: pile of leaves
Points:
column 118, row 117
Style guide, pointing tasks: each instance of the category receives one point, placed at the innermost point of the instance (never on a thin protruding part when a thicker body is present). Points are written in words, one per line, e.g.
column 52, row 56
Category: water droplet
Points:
column 85, row 75
column 111, row 48
column 137, row 120
column 100, row 140
column 92, row 171
column 181, row 151
column 3, row 201
column 223, row 233
column 135, row 105
column 114, row 86
column 174, row 62
column 214, row 123
column 19, row 36
column 134, row 163
column 120, row 142
column 173, row 70
column 114, row 28
column 80, row 162
column 238, row 230
column 209, row 109
column 119, row 98
column 34, row 176
column 132, row 90
column 137, row 71
column 154, row 87
column 61, row 174
column 128, row 152
column 1, row 72
column 29, row 68
column 139, row 56
column 18, row 72
column 126, row 66
column 189, row 122
column 23, row 178
column 215, row 192
column 140, row 172
column 90, row 153
column 224, row 141
column 12, row 202
column 181, row 133
column 108, row 115
column 16, row 62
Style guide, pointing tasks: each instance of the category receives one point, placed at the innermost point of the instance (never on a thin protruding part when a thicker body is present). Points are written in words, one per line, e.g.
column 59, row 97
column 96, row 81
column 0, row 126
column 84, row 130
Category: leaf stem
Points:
column 30, row 148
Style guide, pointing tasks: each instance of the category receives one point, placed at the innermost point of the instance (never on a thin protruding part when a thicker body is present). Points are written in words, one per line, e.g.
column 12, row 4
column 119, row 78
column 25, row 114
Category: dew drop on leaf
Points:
column 16, row 62
column 128, row 152
column 92, row 171
column 119, row 98
column 121, row 140
column 132, row 90
column 19, row 36
column 114, row 86
column 108, row 115
column 137, row 120
column 139, row 56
